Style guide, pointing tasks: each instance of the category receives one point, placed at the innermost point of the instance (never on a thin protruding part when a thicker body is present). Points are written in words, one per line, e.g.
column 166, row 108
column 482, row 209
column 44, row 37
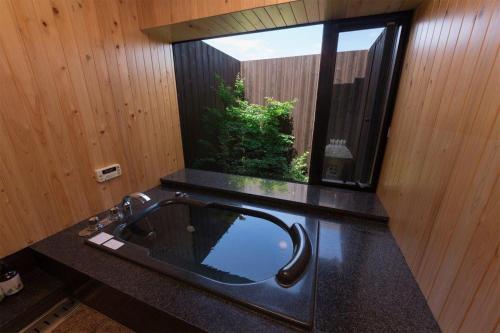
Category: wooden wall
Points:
column 286, row 79
column 181, row 20
column 196, row 66
column 80, row 87
column 153, row 13
column 349, row 66
column 441, row 174
column 297, row 78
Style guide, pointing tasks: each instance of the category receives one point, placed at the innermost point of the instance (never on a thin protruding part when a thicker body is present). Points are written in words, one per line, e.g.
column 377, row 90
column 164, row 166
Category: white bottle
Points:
column 10, row 281
column 336, row 156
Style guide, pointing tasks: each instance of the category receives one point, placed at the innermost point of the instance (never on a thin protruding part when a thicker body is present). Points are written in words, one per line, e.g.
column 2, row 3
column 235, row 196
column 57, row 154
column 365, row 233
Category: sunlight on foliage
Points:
column 250, row 139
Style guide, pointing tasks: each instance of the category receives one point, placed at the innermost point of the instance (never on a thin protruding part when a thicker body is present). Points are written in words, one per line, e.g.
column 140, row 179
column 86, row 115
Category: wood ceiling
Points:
column 267, row 17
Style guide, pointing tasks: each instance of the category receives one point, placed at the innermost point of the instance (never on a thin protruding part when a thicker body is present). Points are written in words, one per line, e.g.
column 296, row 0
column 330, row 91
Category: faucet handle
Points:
column 94, row 223
column 92, row 227
column 127, row 207
column 114, row 213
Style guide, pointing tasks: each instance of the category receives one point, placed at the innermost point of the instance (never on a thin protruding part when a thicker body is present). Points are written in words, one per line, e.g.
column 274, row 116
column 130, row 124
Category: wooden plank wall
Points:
column 80, row 87
column 181, row 20
column 160, row 12
column 286, row 79
column 196, row 67
column 441, row 174
column 297, row 78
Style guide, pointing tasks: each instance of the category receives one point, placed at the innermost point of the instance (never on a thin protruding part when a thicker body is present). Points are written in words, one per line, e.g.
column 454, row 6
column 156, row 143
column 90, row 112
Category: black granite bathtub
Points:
column 258, row 257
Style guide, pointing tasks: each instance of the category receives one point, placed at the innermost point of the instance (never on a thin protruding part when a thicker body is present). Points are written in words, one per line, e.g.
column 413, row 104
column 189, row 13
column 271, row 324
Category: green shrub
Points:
column 250, row 139
column 298, row 168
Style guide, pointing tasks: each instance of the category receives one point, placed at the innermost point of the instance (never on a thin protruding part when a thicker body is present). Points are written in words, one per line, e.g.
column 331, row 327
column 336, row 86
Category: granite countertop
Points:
column 355, row 203
column 363, row 282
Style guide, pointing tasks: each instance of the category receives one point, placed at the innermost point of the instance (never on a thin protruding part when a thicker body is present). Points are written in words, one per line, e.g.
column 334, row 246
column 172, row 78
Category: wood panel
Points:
column 297, row 78
column 178, row 20
column 197, row 65
column 440, row 177
column 286, row 79
column 81, row 87
column 153, row 13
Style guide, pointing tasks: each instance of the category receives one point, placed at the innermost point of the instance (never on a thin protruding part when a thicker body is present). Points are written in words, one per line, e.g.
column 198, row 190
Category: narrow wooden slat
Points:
column 297, row 77
column 226, row 28
column 73, row 76
column 184, row 20
column 435, row 43
column 460, row 72
column 161, row 12
column 105, row 58
column 231, row 22
column 339, row 9
column 478, row 137
column 264, row 17
column 253, row 19
column 425, row 59
column 53, row 85
column 275, row 15
column 312, row 10
column 139, row 78
column 483, row 311
column 440, row 181
column 299, row 12
column 77, row 46
column 243, row 21
column 287, row 14
column 213, row 27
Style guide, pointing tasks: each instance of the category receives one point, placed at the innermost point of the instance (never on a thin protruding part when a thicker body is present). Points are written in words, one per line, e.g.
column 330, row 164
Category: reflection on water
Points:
column 333, row 249
column 220, row 244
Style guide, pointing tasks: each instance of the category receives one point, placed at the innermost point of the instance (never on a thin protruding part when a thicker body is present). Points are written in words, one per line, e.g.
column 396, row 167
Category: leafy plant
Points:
column 298, row 168
column 250, row 139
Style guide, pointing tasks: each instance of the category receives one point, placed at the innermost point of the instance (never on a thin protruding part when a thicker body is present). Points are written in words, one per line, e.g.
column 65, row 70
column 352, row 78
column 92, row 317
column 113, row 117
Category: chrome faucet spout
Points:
column 126, row 204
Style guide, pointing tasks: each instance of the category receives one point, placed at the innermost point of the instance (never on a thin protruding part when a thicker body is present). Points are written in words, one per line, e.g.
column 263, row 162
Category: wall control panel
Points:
column 107, row 173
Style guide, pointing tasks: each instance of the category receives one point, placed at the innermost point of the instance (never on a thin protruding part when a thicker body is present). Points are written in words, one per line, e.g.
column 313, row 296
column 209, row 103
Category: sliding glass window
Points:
column 359, row 67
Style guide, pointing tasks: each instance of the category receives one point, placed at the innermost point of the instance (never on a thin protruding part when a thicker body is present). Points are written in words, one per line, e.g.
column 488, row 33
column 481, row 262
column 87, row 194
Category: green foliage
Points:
column 250, row 139
column 298, row 168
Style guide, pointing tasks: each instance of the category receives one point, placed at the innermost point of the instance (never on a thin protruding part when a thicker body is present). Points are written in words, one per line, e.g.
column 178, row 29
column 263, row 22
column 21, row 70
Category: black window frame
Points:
column 331, row 31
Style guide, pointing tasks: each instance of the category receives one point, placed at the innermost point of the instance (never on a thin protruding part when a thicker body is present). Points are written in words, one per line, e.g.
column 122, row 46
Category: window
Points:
column 309, row 103
column 361, row 61
column 247, row 102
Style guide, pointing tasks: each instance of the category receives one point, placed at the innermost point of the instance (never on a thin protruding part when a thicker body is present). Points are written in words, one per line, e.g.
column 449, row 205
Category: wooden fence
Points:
column 297, row 78
column 286, row 79
column 196, row 66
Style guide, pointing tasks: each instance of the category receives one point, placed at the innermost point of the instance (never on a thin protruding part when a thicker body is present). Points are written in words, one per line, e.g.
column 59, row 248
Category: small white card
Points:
column 100, row 238
column 113, row 244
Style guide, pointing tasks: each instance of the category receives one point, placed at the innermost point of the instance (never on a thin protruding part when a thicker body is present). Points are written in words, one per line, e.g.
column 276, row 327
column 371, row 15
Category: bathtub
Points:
column 256, row 256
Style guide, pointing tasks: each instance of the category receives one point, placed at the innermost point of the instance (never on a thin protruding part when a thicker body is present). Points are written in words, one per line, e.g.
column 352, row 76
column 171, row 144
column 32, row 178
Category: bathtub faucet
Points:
column 126, row 204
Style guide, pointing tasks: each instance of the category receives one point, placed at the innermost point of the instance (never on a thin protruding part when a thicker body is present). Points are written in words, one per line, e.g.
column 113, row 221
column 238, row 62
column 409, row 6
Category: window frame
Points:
column 325, row 87
column 331, row 32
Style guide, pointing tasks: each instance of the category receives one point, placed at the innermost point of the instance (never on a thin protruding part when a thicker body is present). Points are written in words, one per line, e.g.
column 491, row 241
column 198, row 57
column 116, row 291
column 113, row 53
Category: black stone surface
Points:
column 355, row 203
column 363, row 283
